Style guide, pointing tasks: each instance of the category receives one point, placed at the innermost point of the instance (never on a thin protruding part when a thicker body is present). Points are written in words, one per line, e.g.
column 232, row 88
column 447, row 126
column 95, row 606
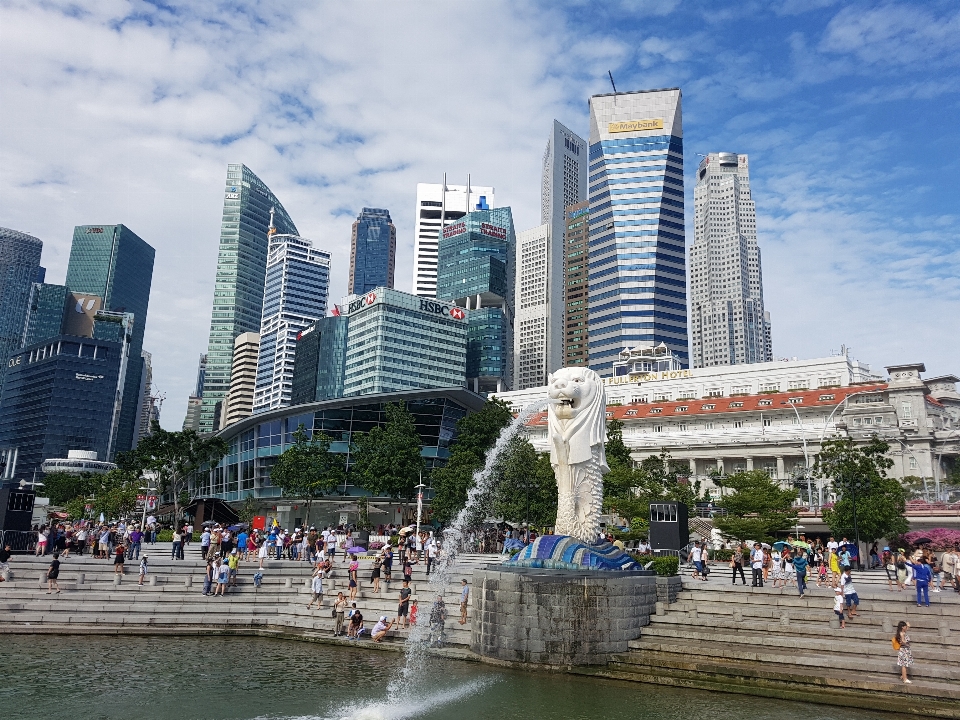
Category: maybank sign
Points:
column 635, row 125
column 647, row 377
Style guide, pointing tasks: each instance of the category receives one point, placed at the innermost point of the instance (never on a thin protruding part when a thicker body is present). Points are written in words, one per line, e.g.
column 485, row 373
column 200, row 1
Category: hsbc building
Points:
column 397, row 341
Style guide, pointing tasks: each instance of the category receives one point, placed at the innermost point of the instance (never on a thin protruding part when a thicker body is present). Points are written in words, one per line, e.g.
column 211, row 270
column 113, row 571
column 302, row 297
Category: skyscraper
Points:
column 241, row 268
column 44, row 312
column 373, row 251
column 637, row 252
column 19, row 264
column 321, row 355
column 440, row 205
column 114, row 263
column 729, row 325
column 238, row 403
column 294, row 297
column 476, row 271
column 537, row 341
column 575, row 282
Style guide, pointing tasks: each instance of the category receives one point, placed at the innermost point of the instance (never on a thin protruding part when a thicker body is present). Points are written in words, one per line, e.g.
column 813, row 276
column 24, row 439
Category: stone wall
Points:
column 558, row 617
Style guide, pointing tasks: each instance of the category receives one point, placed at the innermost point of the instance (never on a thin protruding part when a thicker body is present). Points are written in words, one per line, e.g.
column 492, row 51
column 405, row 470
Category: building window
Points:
column 822, row 398
column 680, row 408
column 630, row 412
column 658, row 428
column 795, row 400
column 868, row 421
column 765, row 402
column 878, row 421
column 795, row 420
column 913, row 464
column 767, row 422
column 738, row 424
column 829, row 381
column 906, row 411
column 715, row 392
column 856, row 421
column 661, row 397
column 797, row 385
column 736, row 404
column 708, row 426
column 656, row 410
column 639, row 400
column 707, row 407
column 770, row 387
column 740, row 390
column 682, row 427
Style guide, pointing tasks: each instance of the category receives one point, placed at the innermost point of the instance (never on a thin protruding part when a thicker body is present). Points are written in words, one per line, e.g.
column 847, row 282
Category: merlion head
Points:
column 577, row 411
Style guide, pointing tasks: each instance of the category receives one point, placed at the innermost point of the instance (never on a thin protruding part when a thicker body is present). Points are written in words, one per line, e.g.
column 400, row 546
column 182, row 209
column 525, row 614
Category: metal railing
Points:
column 20, row 541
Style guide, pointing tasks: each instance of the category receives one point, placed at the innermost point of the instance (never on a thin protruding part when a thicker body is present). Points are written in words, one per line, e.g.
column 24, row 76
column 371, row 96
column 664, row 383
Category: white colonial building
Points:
column 774, row 416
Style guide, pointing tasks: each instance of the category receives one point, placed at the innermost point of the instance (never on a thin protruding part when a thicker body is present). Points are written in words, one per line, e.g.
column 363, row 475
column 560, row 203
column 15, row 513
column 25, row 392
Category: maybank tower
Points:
column 637, row 267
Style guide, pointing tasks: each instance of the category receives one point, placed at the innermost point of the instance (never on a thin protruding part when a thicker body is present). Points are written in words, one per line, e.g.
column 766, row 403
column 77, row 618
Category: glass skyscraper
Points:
column 294, row 297
column 373, row 251
column 637, row 268
column 45, row 312
column 320, row 360
column 241, row 267
column 19, row 263
column 476, row 271
column 114, row 263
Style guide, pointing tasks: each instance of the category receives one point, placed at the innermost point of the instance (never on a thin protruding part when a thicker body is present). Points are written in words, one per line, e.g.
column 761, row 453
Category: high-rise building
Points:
column 241, row 268
column 192, row 419
column 563, row 183
column 320, row 361
column 373, row 251
column 476, row 272
column 115, row 264
column 397, row 341
column 577, row 242
column 19, row 265
column 536, row 341
column 294, row 297
column 45, row 312
column 440, row 205
column 238, row 404
column 149, row 404
column 638, row 282
column 67, row 393
column 728, row 323
column 201, row 375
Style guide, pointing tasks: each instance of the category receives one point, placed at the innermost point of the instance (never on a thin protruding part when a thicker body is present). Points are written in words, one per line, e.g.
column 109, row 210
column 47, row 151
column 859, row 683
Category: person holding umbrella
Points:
column 800, row 567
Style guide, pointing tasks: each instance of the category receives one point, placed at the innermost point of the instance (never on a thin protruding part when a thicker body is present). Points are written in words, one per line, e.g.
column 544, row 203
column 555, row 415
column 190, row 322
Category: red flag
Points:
column 336, row 311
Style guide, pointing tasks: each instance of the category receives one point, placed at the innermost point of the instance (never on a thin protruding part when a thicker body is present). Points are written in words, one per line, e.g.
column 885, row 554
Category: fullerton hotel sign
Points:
column 647, row 377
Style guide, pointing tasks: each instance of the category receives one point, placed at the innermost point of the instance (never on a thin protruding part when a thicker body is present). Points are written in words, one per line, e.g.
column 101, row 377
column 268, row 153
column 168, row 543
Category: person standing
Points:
column 208, row 578
column 339, row 609
column 375, row 574
column 242, row 537
column 757, row 560
column 223, row 577
column 696, row 557
column 81, row 540
column 465, row 600
column 332, row 546
column 438, row 616
column 850, row 597
column 352, row 573
column 262, row 551
column 136, row 537
column 53, row 572
column 403, row 609
column 800, row 567
column 205, row 544
column 387, row 565
column 431, row 552
column 175, row 549
column 838, row 605
column 143, row 570
column 922, row 574
column 901, row 643
column 233, row 563
column 316, row 586
column 121, row 553
column 736, row 562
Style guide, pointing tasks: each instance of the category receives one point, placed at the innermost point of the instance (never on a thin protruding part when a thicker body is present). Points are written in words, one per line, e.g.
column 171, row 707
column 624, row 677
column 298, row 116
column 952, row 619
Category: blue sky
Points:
column 129, row 112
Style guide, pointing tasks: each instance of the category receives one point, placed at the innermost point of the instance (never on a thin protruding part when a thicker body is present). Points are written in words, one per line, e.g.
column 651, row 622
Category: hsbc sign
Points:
column 361, row 302
column 451, row 311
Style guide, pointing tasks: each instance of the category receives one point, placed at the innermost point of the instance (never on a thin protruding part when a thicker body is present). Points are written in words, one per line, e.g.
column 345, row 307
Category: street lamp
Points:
column 806, row 457
column 853, row 486
column 826, row 422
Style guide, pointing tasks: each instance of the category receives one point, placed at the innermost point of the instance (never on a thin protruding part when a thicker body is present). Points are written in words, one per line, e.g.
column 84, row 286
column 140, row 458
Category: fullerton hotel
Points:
column 774, row 416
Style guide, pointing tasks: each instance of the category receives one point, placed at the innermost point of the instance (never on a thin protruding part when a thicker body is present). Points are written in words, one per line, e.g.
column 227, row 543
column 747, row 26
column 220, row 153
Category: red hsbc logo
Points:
column 371, row 297
column 457, row 313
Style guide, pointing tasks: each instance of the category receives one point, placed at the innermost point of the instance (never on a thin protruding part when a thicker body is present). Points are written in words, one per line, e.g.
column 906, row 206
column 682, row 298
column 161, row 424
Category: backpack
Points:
column 895, row 643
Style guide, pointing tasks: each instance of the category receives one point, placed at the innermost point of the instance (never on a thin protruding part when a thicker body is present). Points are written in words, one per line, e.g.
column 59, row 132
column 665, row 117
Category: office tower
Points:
column 397, row 341
column 241, row 268
column 294, row 297
column 201, row 374
column 115, row 264
column 563, row 183
column 19, row 265
column 729, row 325
column 238, row 404
column 575, row 281
column 440, row 205
column 537, row 342
column 476, row 271
column 320, row 361
column 191, row 420
column 149, row 405
column 45, row 312
column 67, row 393
column 373, row 251
column 637, row 253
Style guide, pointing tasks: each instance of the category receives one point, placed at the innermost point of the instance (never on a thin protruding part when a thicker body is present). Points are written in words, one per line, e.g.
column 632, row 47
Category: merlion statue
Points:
column 576, row 422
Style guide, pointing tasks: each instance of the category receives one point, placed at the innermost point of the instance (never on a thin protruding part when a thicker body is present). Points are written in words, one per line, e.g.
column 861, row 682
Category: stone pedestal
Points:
column 559, row 617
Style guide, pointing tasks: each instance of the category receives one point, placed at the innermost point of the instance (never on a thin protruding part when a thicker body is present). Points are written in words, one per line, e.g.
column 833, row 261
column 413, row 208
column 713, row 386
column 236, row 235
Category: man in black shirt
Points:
column 403, row 610
column 52, row 572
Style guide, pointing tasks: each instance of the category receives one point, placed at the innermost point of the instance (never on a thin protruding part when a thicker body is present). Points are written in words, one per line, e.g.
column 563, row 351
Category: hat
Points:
column 383, row 618
column 885, row 549
column 233, row 552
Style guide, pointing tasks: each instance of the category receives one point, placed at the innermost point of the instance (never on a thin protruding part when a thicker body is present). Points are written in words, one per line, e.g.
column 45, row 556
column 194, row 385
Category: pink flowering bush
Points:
column 940, row 538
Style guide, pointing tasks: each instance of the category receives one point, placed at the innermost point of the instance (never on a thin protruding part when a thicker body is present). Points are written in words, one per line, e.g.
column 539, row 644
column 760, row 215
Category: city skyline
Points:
column 849, row 88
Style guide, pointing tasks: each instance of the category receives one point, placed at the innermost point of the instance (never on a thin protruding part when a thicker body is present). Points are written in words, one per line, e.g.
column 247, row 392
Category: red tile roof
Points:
column 731, row 404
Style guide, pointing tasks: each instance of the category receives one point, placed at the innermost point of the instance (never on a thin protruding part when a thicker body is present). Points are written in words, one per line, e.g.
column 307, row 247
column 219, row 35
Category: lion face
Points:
column 570, row 390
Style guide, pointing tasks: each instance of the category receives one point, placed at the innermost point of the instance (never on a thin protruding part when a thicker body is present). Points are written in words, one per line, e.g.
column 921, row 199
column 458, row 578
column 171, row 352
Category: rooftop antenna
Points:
column 271, row 231
column 612, row 82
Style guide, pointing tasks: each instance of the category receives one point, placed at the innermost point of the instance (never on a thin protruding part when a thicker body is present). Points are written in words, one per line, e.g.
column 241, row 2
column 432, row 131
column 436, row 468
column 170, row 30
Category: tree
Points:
column 248, row 509
column 616, row 451
column 628, row 491
column 476, row 435
column 756, row 509
column 869, row 504
column 173, row 457
column 307, row 468
column 63, row 487
column 525, row 488
column 387, row 460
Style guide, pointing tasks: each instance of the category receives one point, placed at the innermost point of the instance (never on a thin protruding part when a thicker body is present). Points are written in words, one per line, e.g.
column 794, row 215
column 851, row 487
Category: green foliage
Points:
column 721, row 555
column 173, row 457
column 628, row 491
column 476, row 434
column 387, row 460
column 858, row 474
column 914, row 486
column 62, row 487
column 305, row 469
column 248, row 509
column 115, row 493
column 666, row 565
column 522, row 475
column 616, row 451
column 756, row 509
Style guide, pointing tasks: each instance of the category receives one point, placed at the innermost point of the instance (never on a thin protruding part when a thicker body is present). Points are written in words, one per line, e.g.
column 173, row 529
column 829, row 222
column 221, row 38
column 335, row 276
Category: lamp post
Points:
column 420, row 488
column 854, row 485
column 806, row 457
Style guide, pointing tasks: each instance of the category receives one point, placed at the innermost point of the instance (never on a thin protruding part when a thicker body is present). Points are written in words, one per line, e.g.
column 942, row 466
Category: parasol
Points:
column 781, row 544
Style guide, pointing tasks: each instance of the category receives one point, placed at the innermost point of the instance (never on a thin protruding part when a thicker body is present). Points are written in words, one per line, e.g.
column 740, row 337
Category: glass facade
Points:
column 576, row 262
column 637, row 266
column 19, row 264
column 476, row 270
column 256, row 442
column 397, row 341
column 45, row 314
column 114, row 263
column 320, row 359
column 241, row 267
column 373, row 251
column 60, row 395
column 295, row 292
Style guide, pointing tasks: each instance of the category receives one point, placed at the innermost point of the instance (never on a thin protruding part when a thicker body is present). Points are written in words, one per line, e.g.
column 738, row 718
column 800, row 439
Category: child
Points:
column 838, row 605
column 143, row 569
column 822, row 574
column 413, row 612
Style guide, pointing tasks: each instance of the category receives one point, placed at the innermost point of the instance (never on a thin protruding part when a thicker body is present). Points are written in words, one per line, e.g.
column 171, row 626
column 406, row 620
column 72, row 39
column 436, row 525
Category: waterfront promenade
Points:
column 713, row 636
